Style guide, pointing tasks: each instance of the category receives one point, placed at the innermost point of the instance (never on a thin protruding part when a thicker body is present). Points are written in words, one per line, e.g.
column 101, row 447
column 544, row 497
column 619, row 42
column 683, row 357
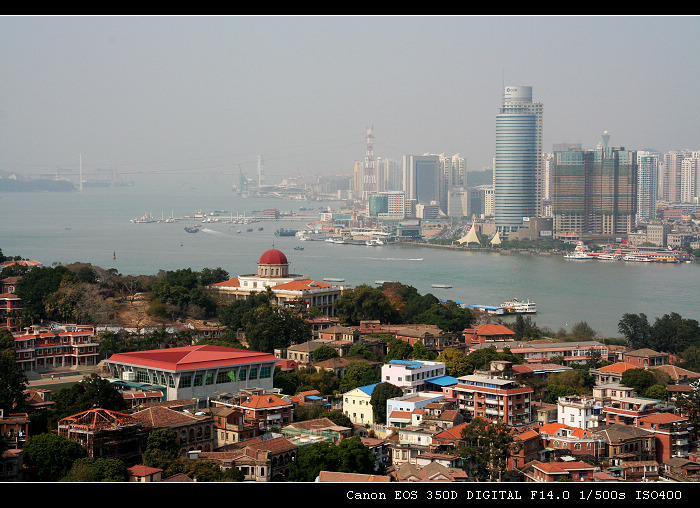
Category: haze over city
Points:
column 195, row 94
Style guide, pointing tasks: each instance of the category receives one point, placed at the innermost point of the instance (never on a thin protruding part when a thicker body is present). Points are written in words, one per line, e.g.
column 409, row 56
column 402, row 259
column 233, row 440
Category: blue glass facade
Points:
column 515, row 177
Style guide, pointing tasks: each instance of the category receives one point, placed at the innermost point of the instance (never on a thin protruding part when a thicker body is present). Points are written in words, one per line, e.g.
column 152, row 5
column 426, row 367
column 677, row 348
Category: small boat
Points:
column 441, row 285
column 192, row 229
column 331, row 279
column 579, row 253
column 298, row 248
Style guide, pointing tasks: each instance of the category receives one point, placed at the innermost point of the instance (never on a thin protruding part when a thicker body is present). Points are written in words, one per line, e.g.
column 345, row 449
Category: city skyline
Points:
column 197, row 95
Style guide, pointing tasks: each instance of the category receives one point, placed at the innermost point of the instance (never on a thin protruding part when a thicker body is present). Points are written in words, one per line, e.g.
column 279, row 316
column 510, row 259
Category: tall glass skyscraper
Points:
column 518, row 157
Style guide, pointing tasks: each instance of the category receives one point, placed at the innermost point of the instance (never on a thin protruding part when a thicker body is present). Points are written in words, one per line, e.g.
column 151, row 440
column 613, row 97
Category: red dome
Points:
column 273, row 257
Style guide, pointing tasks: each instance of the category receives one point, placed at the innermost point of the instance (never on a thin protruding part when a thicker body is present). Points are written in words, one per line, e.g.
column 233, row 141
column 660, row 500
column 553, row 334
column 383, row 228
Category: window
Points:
column 185, row 381
column 265, row 372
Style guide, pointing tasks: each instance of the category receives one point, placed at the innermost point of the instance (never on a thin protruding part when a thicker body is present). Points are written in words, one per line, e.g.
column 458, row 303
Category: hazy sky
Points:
column 199, row 94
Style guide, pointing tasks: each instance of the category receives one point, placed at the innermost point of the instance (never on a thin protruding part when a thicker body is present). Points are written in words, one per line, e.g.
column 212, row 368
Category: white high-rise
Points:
column 647, row 174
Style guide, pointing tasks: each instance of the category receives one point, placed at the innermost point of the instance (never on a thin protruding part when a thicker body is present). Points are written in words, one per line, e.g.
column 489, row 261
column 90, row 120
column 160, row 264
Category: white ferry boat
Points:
column 578, row 253
column 516, row 306
column 633, row 256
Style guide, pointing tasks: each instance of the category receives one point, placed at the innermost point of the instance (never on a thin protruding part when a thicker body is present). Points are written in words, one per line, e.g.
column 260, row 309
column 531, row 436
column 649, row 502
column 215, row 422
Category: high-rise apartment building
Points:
column 690, row 179
column 518, row 160
column 594, row 192
column 671, row 189
column 647, row 185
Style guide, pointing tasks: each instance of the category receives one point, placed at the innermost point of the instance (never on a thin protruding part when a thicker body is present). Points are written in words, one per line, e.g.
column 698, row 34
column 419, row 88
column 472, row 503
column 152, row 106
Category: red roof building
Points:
column 288, row 289
column 196, row 372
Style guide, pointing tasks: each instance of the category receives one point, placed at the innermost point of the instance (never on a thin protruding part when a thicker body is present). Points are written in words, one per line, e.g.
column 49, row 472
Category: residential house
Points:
column 39, row 398
column 558, row 439
column 194, row 431
column 380, row 449
column 579, row 411
column 544, row 412
column 412, row 376
column 491, row 397
column 315, row 430
column 356, row 404
column 681, row 470
column 433, row 472
column 672, row 434
column 488, row 333
column 610, row 374
column 14, row 429
column 544, row 352
column 645, row 358
column 639, row 470
column 627, row 410
column 526, row 448
column 264, row 458
column 572, row 471
column 144, row 474
column 627, row 442
column 336, row 477
column 267, row 411
column 230, row 426
column 409, row 403
column 609, row 393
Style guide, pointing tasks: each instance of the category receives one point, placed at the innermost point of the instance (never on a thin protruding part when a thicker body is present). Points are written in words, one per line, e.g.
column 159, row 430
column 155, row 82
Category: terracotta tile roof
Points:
column 179, row 477
column 157, row 417
column 191, row 357
column 301, row 285
column 264, row 402
column 231, row 283
column 332, row 476
column 663, row 418
column 141, row 470
column 493, row 329
column 618, row 367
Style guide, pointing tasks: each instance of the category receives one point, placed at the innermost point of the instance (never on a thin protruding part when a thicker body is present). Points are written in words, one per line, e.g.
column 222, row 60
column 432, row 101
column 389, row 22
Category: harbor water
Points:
column 95, row 226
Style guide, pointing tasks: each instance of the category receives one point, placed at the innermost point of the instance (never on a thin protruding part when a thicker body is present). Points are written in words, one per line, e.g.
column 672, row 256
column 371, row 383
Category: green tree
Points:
column 92, row 392
column 448, row 316
column 48, row 457
column 324, row 352
column 488, row 446
column 636, row 329
column 348, row 456
column 270, row 327
column 398, row 350
column 358, row 374
column 381, row 393
column 339, row 418
column 363, row 303
column 639, row 379
column 36, row 286
column 162, row 448
column 420, row 352
column 456, row 363
column 583, row 331
column 93, row 469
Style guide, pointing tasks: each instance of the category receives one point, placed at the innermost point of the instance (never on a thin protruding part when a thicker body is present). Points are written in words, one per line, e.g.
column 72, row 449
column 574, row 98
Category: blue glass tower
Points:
column 518, row 131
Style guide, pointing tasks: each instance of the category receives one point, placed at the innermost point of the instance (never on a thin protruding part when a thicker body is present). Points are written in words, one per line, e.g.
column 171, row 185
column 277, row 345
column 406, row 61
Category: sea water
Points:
column 94, row 226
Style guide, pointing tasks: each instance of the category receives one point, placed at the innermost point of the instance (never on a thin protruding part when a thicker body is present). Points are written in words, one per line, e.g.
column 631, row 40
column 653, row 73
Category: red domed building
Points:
column 273, row 273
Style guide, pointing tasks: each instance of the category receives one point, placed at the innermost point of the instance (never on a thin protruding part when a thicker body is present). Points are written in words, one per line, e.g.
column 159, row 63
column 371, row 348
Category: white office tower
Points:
column 518, row 160
column 647, row 185
column 690, row 180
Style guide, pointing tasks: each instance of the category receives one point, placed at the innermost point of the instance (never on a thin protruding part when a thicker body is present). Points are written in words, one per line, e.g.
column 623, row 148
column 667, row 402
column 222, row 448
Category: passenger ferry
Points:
column 516, row 306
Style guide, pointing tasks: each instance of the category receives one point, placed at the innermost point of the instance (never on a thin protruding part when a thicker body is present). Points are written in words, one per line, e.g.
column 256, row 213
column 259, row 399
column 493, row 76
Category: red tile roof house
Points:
column 194, row 431
column 489, row 332
column 672, row 434
column 261, row 459
column 198, row 372
column 266, row 411
column 576, row 471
